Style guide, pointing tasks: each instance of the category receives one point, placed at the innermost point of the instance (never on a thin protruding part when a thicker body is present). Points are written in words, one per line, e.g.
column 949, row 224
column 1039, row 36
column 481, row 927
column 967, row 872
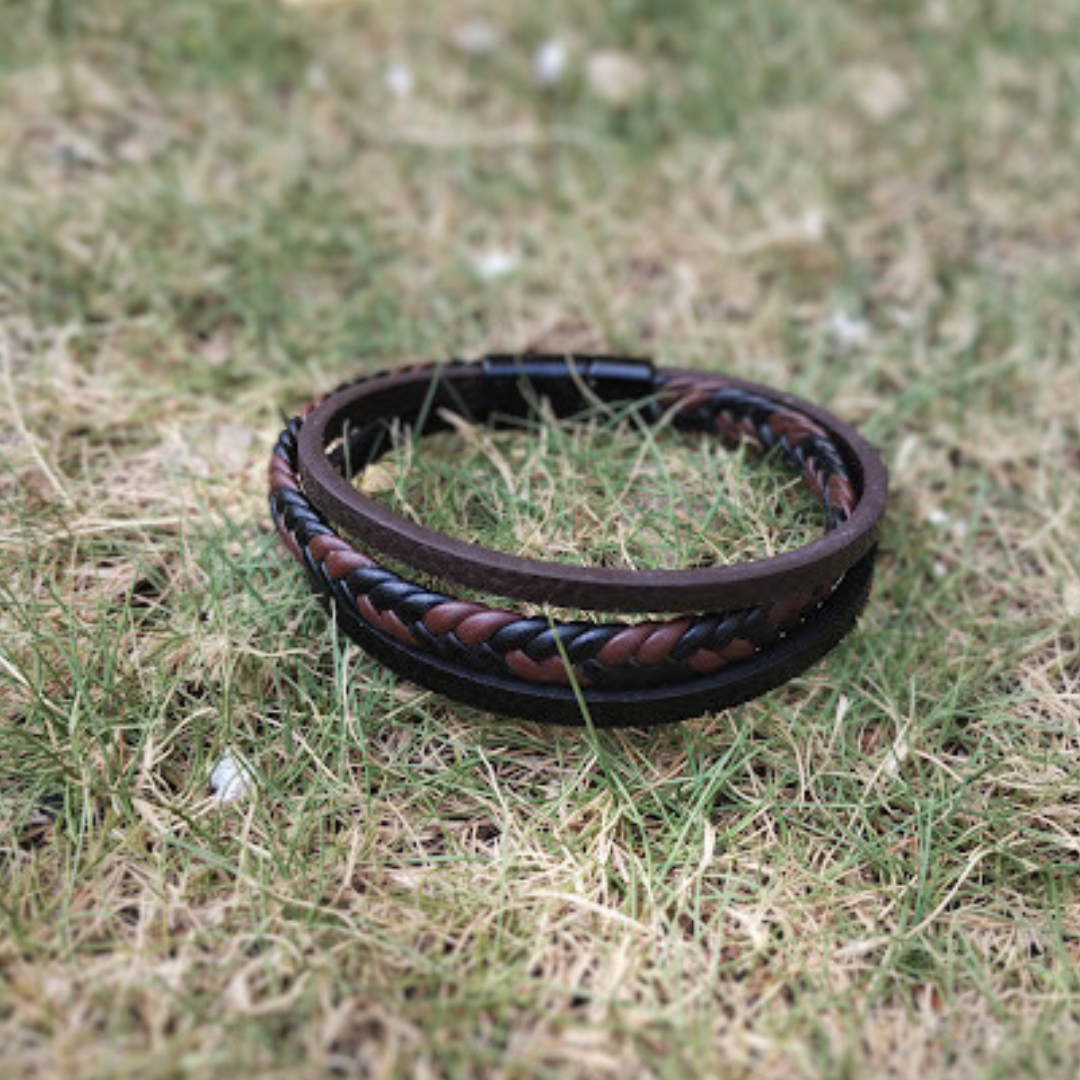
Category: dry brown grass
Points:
column 213, row 210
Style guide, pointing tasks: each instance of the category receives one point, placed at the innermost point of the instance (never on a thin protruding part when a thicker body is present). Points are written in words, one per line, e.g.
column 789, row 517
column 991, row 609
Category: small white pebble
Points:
column 476, row 37
column 549, row 63
column 400, row 81
column 897, row 755
column 493, row 264
column 879, row 92
column 815, row 224
column 616, row 78
column 842, row 707
column 76, row 152
column 847, row 331
column 1071, row 599
column 938, row 14
column 941, row 520
column 231, row 778
column 940, row 569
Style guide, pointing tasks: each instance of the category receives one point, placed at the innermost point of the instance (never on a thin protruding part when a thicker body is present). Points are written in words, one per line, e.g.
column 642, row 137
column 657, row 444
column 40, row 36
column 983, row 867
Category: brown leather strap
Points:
column 846, row 469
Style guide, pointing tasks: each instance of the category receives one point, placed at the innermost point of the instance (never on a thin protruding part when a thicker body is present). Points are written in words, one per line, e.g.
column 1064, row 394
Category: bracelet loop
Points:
column 815, row 442
column 742, row 629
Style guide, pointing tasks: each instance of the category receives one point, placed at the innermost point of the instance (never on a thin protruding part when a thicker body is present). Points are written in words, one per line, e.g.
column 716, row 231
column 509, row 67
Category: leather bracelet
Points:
column 774, row 617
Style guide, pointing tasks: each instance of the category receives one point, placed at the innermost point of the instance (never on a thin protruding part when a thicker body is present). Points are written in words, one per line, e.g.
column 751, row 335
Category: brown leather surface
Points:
column 410, row 392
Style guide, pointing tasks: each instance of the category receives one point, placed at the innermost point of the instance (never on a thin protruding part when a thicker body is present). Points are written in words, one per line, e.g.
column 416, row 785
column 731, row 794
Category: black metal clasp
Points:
column 571, row 382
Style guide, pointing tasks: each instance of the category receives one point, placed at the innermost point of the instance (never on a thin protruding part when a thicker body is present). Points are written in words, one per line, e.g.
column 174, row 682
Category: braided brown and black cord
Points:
column 601, row 655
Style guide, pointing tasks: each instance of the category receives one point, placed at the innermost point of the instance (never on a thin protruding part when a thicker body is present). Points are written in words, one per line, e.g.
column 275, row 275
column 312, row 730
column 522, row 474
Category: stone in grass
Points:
column 549, row 63
column 400, row 80
column 848, row 332
column 615, row 78
column 494, row 263
column 476, row 37
column 880, row 93
column 231, row 778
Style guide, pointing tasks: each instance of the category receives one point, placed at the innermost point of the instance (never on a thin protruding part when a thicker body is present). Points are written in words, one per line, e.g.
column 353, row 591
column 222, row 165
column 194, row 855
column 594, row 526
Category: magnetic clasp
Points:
column 518, row 382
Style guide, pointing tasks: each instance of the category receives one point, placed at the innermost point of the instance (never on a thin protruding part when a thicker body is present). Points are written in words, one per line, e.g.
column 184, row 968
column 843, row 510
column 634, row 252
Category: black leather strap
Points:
column 642, row 706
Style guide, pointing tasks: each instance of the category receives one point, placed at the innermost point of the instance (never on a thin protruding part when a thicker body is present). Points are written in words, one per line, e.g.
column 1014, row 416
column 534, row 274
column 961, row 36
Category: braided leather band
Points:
column 627, row 673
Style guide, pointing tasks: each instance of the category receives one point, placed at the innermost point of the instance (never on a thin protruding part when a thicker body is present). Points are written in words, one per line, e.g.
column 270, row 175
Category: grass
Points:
column 608, row 489
column 212, row 211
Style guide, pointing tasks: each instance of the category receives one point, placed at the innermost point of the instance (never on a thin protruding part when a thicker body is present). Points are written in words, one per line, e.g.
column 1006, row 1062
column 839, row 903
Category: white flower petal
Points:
column 231, row 778
column 549, row 63
column 847, row 331
column 494, row 263
column 400, row 81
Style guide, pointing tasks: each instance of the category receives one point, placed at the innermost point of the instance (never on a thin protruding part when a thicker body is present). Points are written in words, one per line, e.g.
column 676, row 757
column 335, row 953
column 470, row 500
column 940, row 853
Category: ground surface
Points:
column 211, row 211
